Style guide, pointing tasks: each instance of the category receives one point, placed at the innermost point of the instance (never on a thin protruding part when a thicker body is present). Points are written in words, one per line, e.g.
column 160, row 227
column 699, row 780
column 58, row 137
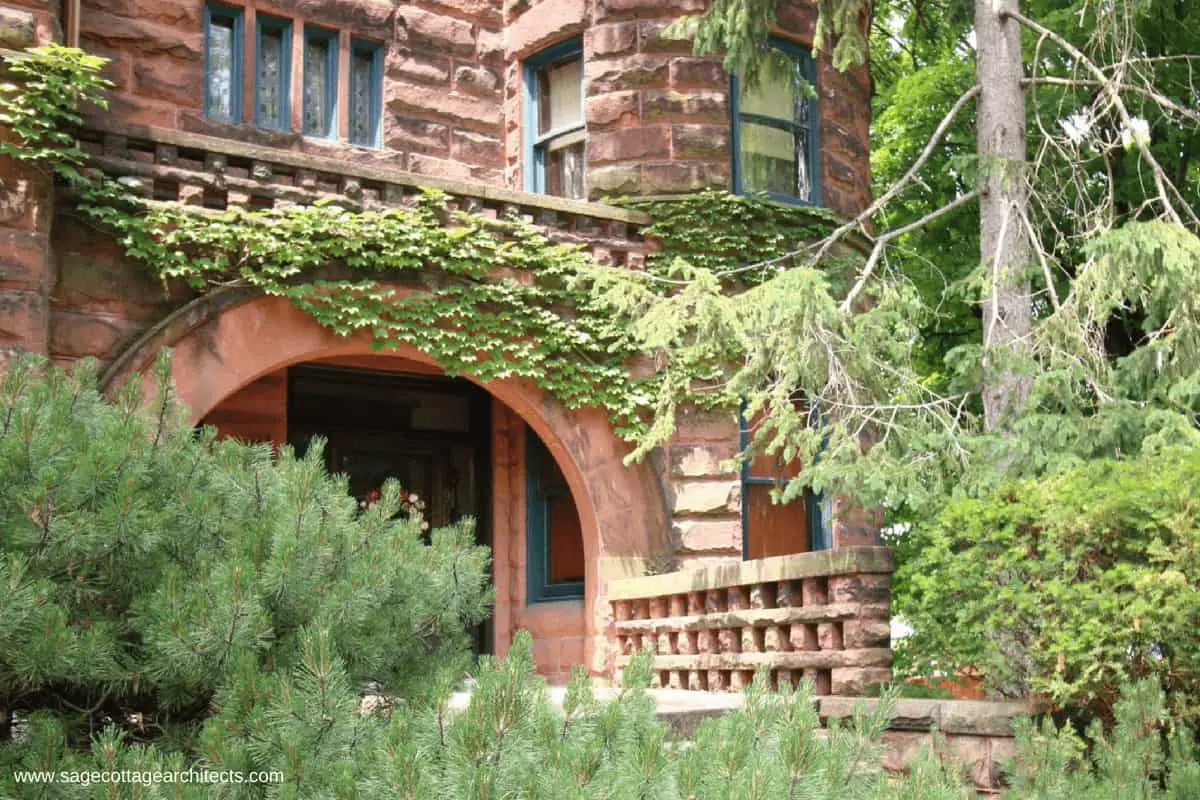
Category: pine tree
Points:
column 174, row 599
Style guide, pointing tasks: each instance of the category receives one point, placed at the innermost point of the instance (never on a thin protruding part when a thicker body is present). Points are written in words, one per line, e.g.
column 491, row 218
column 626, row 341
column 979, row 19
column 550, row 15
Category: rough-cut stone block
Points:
column 622, row 74
column 698, row 73
column 703, row 460
column 658, row 607
column 476, row 80
column 706, row 641
column 707, row 497
column 629, row 144
column 729, row 640
column 776, row 639
column 612, row 110
column 803, row 637
column 614, row 39
column 549, row 22
column 678, row 605
column 815, row 591
column 655, row 38
column 696, row 680
column 762, row 595
column 24, row 321
column 860, row 589
column 858, row 633
column 614, row 180
column 700, row 141
column 422, row 101
column 670, row 178
column 829, row 635
column 428, row 30
column 821, row 680
column 695, row 106
column 717, row 680
column 787, row 594
column 737, row 598
column 664, row 646
column 753, row 640
column 612, row 9
column 858, row 680
column 695, row 603
column 17, row 28
column 476, row 148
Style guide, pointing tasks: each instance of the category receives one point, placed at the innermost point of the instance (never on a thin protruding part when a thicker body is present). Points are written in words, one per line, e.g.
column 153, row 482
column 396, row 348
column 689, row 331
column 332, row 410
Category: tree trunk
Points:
column 1004, row 245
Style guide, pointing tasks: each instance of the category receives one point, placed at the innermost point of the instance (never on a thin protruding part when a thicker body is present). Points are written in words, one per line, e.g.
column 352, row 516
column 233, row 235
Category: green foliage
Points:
column 42, row 105
column 1067, row 586
column 1141, row 757
column 181, row 593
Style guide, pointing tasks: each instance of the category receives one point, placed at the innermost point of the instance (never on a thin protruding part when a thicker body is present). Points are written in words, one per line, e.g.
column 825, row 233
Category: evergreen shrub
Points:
column 1066, row 586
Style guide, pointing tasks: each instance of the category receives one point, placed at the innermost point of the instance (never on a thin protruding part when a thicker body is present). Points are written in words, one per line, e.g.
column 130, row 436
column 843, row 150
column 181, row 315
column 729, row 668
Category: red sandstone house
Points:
column 539, row 106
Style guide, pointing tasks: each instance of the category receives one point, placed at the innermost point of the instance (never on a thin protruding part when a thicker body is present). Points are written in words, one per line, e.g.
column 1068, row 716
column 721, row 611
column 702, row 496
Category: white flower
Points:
column 1136, row 132
column 424, row 526
column 1078, row 126
column 412, row 498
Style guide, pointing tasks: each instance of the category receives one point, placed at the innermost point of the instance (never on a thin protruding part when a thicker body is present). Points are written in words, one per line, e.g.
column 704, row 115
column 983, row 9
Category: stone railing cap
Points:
column 962, row 717
column 369, row 172
column 838, row 561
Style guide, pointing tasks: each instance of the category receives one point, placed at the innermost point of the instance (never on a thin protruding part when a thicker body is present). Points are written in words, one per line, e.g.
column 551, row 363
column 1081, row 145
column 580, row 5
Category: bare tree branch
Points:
column 1109, row 86
column 882, row 241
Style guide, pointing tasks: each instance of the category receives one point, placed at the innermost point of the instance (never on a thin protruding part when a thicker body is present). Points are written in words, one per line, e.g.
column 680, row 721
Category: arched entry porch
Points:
column 227, row 341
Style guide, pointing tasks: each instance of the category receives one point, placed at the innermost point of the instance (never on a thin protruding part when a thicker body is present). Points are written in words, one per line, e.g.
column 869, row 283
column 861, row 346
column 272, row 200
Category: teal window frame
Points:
column 376, row 111
column 539, row 589
column 330, row 68
column 266, row 23
column 536, row 145
column 234, row 16
column 817, row 506
column 808, row 70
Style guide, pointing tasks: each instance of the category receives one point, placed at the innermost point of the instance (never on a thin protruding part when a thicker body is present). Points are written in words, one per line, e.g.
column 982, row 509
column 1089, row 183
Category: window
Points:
column 555, row 134
column 272, row 76
column 223, row 63
column 775, row 129
column 366, row 93
column 554, row 535
column 771, row 529
column 320, row 82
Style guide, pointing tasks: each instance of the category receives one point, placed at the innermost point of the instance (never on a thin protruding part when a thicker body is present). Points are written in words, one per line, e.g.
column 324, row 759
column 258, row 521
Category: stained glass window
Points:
column 274, row 71
column 320, row 81
column 365, row 91
column 222, row 80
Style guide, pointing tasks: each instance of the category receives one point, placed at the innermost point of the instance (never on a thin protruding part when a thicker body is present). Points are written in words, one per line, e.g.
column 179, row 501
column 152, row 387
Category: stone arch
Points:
column 230, row 338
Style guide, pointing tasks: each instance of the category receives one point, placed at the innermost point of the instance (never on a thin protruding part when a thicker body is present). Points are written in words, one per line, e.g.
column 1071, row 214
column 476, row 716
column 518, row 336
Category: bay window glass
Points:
column 222, row 62
column 273, row 72
column 365, row 93
column 775, row 126
column 320, row 81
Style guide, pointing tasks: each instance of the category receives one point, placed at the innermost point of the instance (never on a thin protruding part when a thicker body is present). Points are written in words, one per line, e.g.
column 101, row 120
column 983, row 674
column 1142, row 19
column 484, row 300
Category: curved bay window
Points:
column 775, row 128
column 554, row 534
column 555, row 134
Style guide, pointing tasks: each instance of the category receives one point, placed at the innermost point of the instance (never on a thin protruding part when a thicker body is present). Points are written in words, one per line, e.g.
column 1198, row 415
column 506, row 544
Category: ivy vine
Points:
column 492, row 298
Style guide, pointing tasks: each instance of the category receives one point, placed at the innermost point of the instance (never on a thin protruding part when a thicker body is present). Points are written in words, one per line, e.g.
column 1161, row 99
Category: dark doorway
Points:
column 431, row 433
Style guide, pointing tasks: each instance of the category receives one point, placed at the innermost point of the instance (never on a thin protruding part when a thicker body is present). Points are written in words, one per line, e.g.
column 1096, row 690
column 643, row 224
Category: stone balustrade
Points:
column 821, row 615
column 217, row 173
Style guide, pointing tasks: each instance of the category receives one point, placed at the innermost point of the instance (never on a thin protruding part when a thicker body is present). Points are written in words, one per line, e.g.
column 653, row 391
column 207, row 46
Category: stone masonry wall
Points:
column 657, row 116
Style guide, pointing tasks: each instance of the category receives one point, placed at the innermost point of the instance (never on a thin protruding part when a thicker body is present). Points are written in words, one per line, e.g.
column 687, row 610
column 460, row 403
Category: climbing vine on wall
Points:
column 492, row 298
